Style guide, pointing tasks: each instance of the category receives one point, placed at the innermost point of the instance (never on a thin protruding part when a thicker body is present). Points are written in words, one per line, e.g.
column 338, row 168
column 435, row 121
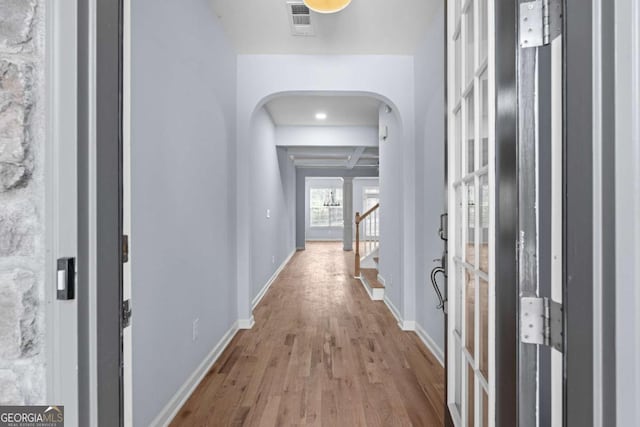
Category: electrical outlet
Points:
column 273, row 259
column 195, row 331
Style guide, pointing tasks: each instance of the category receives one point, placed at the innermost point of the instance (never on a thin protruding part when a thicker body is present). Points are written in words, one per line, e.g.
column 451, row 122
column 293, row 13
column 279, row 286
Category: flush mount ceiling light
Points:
column 321, row 116
column 327, row 6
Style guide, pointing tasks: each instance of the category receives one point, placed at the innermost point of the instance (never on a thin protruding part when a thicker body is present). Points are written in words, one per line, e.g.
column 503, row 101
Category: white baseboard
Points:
column 412, row 325
column 407, row 325
column 430, row 344
column 273, row 278
column 381, row 280
column 376, row 294
column 392, row 308
column 178, row 400
column 246, row 323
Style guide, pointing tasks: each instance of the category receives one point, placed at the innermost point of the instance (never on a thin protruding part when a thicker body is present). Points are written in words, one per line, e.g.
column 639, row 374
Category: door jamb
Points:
column 578, row 212
column 604, row 211
column 60, row 188
column 627, row 176
column 100, row 211
column 506, row 278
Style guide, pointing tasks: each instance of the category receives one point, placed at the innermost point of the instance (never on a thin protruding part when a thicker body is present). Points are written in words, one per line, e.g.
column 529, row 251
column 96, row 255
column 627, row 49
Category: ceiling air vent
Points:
column 299, row 18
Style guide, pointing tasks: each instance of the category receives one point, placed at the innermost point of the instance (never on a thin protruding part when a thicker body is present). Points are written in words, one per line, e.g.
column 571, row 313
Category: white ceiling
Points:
column 334, row 157
column 364, row 27
column 340, row 110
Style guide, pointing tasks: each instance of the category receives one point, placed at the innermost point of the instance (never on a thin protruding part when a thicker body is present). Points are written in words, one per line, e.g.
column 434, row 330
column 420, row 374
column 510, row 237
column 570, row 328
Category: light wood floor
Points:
column 321, row 353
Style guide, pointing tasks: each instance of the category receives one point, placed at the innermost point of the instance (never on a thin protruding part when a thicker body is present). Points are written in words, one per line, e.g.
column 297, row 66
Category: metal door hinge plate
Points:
column 540, row 22
column 126, row 313
column 541, row 322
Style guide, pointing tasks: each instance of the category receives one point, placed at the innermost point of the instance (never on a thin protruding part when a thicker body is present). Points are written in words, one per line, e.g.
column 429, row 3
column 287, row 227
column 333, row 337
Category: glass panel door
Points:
column 470, row 376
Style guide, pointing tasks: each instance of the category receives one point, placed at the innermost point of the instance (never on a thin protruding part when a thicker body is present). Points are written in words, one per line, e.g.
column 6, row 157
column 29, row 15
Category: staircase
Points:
column 367, row 251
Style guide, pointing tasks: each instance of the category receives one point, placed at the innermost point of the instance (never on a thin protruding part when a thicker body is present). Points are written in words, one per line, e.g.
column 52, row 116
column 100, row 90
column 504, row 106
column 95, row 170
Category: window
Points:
column 326, row 207
column 371, row 197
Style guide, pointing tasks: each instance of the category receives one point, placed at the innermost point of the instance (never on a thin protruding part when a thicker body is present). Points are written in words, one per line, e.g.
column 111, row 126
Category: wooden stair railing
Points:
column 371, row 241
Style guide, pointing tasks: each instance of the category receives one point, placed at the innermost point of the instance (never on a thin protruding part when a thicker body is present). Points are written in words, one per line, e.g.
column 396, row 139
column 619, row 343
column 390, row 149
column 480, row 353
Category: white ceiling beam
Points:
column 355, row 157
column 319, row 162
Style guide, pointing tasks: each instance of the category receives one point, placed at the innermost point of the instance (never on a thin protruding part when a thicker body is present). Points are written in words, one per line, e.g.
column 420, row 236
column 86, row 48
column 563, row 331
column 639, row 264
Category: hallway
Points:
column 321, row 353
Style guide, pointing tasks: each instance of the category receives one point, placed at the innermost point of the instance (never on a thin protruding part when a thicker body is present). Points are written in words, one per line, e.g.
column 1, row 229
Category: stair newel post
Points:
column 357, row 254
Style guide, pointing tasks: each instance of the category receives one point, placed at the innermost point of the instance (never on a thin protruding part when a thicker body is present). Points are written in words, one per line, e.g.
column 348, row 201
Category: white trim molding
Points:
column 430, row 343
column 246, row 323
column 273, row 278
column 172, row 408
column 376, row 294
column 408, row 325
column 405, row 325
column 413, row 326
column 392, row 308
column 627, row 200
column 59, row 121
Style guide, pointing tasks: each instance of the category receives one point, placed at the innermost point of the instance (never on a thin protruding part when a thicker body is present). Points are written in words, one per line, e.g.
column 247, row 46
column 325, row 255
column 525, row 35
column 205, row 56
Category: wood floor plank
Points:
column 320, row 354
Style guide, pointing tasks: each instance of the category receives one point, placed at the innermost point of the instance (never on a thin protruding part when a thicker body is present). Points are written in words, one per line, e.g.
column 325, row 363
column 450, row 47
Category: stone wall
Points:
column 22, row 131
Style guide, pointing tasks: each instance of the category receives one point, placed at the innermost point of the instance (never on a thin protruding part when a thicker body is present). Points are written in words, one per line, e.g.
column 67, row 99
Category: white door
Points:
column 470, row 377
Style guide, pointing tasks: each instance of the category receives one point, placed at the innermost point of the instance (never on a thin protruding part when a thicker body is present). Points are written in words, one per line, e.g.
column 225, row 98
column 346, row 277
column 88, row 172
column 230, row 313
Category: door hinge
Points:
column 126, row 313
column 541, row 322
column 540, row 22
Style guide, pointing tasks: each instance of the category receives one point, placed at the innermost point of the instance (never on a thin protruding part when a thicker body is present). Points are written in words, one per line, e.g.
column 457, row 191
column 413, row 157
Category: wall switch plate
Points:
column 273, row 259
column 268, row 213
column 195, row 331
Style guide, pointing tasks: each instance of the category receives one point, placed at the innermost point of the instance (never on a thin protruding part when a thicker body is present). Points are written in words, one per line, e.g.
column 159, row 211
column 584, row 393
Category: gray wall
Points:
column 301, row 176
column 22, row 231
column 430, row 132
column 273, row 181
column 183, row 220
column 392, row 212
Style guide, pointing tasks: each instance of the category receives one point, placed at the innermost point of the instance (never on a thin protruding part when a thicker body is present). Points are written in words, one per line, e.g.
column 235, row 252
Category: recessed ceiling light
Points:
column 327, row 6
column 321, row 116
